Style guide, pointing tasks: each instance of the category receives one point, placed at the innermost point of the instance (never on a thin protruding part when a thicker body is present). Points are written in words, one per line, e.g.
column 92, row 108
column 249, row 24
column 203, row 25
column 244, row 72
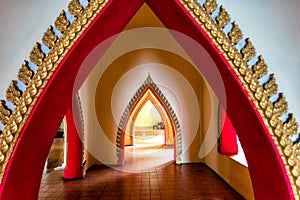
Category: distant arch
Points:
column 156, row 96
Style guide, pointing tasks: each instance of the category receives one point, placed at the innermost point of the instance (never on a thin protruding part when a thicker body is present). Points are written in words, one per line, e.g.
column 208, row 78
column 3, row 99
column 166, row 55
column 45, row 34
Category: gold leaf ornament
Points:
column 210, row 6
column 260, row 68
column 75, row 8
column 235, row 34
column 61, row 22
column 13, row 94
column 248, row 50
column 49, row 38
column 25, row 73
column 223, row 18
column 36, row 55
column 4, row 112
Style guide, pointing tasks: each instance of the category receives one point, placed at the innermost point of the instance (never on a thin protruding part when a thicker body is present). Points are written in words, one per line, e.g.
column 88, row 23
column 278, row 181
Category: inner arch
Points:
column 247, row 121
column 148, row 91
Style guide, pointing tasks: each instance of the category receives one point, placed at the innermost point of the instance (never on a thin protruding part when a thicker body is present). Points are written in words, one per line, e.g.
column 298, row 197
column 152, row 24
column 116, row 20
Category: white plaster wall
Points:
column 23, row 23
column 175, row 88
column 273, row 26
column 172, row 84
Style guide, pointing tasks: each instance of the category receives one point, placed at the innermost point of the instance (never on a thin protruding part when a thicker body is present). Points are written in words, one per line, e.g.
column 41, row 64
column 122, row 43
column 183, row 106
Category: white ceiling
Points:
column 272, row 25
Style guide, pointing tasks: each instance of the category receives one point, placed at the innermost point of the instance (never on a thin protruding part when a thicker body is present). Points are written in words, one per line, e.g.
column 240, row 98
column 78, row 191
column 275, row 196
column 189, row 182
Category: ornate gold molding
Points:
column 148, row 83
column 235, row 34
column 61, row 22
column 47, row 64
column 36, row 55
column 223, row 17
column 49, row 38
column 25, row 73
column 4, row 112
column 75, row 8
column 13, row 93
column 281, row 131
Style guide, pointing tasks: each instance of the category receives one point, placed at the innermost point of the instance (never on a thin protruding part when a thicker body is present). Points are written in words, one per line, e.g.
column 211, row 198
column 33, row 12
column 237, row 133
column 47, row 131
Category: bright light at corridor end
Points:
column 108, row 51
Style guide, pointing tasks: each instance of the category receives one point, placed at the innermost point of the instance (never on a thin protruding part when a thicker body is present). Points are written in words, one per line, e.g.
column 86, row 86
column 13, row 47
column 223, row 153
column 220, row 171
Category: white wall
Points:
column 273, row 26
column 23, row 23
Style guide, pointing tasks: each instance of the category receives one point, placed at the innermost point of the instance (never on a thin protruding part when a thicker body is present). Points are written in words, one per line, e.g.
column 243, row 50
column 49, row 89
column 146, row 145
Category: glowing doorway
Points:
column 159, row 138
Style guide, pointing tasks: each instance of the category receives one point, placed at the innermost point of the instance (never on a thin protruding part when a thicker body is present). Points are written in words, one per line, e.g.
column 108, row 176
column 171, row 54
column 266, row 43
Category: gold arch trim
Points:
column 25, row 100
column 141, row 92
column 149, row 96
column 270, row 111
column 249, row 75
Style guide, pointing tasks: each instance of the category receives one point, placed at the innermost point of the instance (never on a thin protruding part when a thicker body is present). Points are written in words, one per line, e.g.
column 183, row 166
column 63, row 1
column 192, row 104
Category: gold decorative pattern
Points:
column 280, row 131
column 4, row 112
column 148, row 83
column 36, row 55
column 290, row 125
column 13, row 93
column 223, row 18
column 235, row 34
column 47, row 66
column 49, row 38
column 271, row 86
column 61, row 22
column 25, row 73
column 260, row 68
column 248, row 51
column 210, row 6
column 75, row 8
column 81, row 131
column 280, row 106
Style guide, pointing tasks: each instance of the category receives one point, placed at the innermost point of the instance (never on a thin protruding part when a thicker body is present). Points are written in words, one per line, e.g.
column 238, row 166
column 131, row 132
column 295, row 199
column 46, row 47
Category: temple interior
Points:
column 147, row 100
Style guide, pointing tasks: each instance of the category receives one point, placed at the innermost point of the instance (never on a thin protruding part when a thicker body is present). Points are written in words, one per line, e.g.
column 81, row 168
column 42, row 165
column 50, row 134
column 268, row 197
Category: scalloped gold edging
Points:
column 126, row 115
column 47, row 64
column 281, row 131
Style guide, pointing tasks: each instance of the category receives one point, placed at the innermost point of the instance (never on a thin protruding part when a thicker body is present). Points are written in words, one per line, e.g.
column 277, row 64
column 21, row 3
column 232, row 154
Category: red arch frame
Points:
column 175, row 134
column 24, row 168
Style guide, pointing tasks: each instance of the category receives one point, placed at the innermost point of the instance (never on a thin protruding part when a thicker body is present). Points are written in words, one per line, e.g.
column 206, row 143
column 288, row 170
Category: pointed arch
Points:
column 32, row 125
column 149, row 96
column 136, row 104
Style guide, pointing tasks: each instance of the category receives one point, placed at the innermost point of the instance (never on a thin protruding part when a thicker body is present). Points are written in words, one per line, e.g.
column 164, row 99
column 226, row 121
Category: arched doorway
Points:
column 149, row 91
column 185, row 16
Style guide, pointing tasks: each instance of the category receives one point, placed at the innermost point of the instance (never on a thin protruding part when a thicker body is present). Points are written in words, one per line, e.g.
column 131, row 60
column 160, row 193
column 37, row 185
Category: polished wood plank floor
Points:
column 174, row 182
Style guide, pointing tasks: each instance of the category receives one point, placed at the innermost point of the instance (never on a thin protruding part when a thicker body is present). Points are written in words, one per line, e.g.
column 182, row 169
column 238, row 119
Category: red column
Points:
column 228, row 141
column 74, row 149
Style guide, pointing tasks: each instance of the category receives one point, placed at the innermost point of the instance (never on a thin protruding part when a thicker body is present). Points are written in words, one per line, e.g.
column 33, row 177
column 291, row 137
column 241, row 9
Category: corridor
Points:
column 186, row 181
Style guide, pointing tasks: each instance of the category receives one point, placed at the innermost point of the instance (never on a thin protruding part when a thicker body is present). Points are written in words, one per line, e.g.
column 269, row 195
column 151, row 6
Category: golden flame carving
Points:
column 13, row 93
column 248, row 51
column 4, row 112
column 25, row 73
column 47, row 65
column 210, row 6
column 61, row 22
column 235, row 34
column 36, row 55
column 223, row 18
column 49, row 38
column 75, row 8
column 281, row 132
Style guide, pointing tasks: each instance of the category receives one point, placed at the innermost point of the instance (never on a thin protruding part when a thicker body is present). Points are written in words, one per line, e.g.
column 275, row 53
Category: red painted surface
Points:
column 74, row 146
column 228, row 141
column 22, row 176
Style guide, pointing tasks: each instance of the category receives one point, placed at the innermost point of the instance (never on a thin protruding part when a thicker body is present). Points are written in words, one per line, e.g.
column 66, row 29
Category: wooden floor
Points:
column 174, row 182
